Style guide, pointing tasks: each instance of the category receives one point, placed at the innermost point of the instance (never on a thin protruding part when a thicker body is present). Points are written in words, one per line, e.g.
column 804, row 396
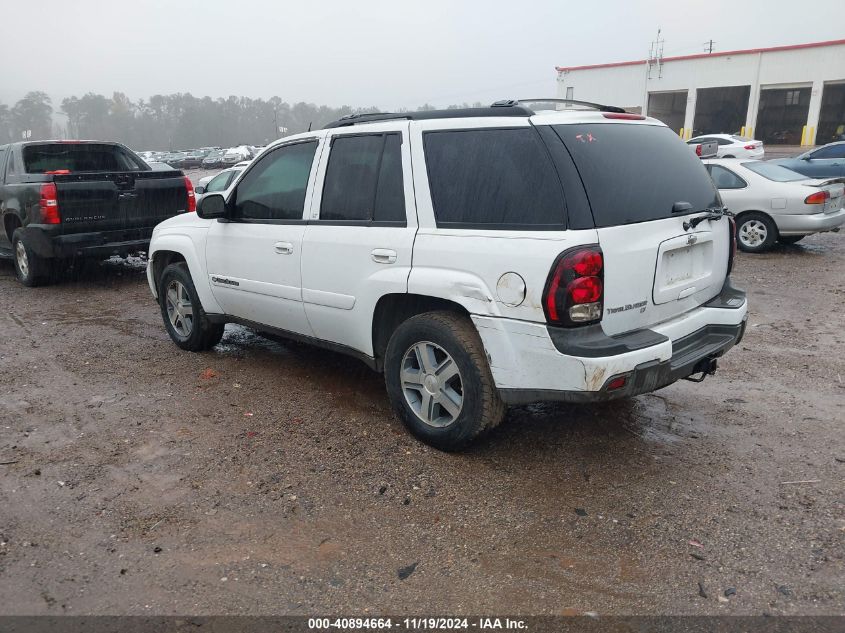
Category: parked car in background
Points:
column 772, row 203
column 193, row 159
column 81, row 199
column 217, row 183
column 732, row 145
column 213, row 159
column 827, row 161
column 235, row 155
column 174, row 159
column 439, row 249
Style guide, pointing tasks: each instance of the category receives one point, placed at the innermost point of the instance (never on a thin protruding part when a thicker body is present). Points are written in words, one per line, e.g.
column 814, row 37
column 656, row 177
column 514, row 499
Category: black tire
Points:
column 790, row 239
column 749, row 232
column 30, row 269
column 729, row 156
column 481, row 408
column 201, row 334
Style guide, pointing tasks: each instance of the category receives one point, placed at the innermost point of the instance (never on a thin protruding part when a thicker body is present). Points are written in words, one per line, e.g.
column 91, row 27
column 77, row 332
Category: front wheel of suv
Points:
column 439, row 382
column 186, row 322
column 755, row 232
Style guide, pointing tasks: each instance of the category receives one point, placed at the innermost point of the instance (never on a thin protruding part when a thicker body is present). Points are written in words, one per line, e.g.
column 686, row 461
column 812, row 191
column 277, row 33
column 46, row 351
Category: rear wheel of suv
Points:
column 439, row 381
column 755, row 232
column 31, row 269
column 185, row 320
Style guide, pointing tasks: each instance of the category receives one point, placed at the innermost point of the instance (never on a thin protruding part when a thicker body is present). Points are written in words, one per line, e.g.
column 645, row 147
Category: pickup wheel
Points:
column 31, row 269
column 181, row 310
column 755, row 232
column 439, row 382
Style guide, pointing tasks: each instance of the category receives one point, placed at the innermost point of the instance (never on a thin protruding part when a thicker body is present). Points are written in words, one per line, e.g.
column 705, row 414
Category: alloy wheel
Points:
column 179, row 308
column 431, row 383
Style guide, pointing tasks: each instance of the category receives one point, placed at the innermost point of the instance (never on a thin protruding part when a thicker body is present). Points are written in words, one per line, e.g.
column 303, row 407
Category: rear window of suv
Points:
column 493, row 179
column 636, row 173
column 78, row 157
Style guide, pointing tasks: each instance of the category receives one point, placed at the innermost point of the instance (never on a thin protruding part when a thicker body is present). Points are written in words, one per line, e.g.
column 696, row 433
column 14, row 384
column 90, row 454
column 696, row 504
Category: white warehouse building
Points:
column 791, row 95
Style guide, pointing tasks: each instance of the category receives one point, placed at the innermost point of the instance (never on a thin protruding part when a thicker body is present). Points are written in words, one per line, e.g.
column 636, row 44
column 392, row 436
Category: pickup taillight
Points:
column 192, row 198
column 574, row 292
column 49, row 204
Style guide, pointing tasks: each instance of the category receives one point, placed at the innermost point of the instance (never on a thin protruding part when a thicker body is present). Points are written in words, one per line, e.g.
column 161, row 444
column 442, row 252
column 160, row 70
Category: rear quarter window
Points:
column 636, row 173
column 79, row 157
column 493, row 179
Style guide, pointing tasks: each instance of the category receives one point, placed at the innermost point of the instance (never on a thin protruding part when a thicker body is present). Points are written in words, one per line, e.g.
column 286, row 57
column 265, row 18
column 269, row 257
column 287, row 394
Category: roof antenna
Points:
column 309, row 125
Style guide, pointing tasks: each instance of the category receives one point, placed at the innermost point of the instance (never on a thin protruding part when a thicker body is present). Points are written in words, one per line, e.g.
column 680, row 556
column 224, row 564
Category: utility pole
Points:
column 655, row 56
column 708, row 46
column 275, row 125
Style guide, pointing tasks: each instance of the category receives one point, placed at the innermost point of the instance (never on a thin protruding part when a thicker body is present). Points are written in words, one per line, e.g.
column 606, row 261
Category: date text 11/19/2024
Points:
column 416, row 624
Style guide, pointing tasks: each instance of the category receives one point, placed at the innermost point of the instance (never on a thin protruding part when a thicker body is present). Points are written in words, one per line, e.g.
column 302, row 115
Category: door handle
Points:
column 384, row 256
column 283, row 248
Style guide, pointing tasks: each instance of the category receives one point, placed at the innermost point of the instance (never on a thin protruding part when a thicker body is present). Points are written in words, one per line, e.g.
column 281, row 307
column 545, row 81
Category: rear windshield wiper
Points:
column 712, row 213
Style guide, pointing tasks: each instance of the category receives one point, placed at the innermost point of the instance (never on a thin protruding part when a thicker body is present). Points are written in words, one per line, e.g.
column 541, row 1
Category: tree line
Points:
column 163, row 122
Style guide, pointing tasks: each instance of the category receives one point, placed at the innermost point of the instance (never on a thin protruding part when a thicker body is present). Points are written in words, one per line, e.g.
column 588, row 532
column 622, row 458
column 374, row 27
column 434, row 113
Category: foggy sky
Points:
column 367, row 52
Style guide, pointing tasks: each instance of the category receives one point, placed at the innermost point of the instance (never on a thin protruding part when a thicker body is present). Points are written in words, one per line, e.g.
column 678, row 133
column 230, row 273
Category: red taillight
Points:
column 192, row 198
column 627, row 116
column 58, row 172
column 752, row 146
column 585, row 290
column 49, row 204
column 820, row 197
column 698, row 150
column 575, row 287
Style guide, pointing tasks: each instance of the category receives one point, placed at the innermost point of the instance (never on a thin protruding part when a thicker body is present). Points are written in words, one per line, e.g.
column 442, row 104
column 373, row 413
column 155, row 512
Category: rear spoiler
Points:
column 831, row 181
column 707, row 149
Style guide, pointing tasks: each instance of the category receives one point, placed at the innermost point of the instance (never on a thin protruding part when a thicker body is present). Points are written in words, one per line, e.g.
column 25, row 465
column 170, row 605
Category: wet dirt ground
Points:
column 265, row 478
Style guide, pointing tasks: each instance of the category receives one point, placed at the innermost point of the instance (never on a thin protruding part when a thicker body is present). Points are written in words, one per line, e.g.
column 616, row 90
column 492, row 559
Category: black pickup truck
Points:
column 63, row 200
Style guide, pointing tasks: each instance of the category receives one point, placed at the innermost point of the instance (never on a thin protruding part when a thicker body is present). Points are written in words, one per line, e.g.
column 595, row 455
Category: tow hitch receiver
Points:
column 703, row 368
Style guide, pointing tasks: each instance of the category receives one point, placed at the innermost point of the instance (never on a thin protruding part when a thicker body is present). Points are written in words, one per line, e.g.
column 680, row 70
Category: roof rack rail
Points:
column 498, row 109
column 589, row 104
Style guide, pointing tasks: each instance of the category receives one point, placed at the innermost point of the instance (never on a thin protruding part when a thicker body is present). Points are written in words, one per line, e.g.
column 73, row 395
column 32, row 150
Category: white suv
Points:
column 479, row 258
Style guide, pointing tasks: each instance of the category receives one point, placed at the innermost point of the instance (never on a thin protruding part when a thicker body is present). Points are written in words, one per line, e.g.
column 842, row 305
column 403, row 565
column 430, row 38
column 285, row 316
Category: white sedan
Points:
column 732, row 145
column 772, row 203
column 217, row 183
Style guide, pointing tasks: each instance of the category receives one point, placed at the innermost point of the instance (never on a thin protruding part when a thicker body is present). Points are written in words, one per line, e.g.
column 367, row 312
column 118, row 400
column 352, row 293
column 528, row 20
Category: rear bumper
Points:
column 532, row 363
column 805, row 224
column 48, row 244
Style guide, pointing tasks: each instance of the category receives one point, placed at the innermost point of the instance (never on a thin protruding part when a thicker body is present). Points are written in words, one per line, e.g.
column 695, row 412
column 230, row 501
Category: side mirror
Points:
column 199, row 189
column 805, row 157
column 212, row 207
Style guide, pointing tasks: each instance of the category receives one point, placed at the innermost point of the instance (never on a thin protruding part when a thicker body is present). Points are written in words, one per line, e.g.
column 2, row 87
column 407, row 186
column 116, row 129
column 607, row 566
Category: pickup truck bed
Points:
column 62, row 200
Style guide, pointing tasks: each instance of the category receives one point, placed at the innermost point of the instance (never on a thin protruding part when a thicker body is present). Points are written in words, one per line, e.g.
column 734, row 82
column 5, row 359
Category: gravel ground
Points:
column 264, row 478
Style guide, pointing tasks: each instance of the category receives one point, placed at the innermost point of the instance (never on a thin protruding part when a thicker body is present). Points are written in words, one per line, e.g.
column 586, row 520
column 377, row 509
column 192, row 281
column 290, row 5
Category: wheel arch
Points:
column 11, row 221
column 168, row 249
column 394, row 309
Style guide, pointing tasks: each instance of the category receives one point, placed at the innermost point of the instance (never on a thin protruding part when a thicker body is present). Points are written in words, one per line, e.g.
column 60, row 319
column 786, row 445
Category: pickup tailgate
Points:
column 119, row 200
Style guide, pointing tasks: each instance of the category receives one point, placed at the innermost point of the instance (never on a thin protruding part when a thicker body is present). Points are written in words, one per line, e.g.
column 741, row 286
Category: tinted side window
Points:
column 831, row 151
column 725, row 178
column 493, row 178
column 2, row 163
column 364, row 179
column 274, row 189
column 390, row 194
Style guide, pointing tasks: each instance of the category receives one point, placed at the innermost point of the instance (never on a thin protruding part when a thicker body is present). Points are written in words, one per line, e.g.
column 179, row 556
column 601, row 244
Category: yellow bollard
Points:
column 742, row 131
column 681, row 133
column 803, row 136
column 811, row 136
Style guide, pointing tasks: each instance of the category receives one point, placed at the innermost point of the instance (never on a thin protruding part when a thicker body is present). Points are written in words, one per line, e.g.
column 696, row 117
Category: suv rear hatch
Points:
column 104, row 187
column 644, row 186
